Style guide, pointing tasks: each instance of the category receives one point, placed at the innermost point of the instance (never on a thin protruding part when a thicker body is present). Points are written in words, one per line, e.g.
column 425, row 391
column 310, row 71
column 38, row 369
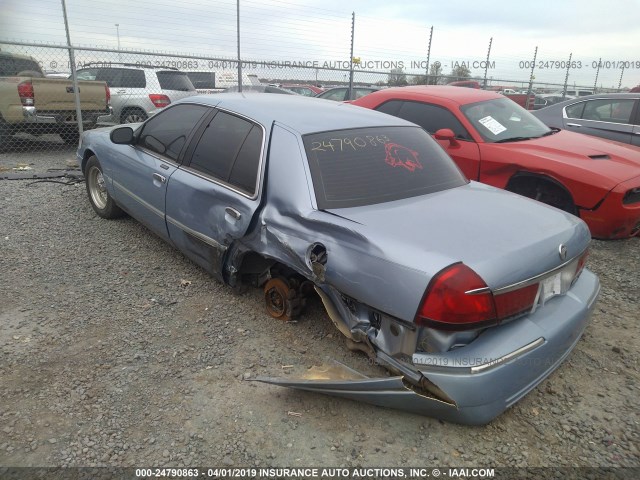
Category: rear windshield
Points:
column 19, row 67
column 364, row 166
column 175, row 81
column 202, row 79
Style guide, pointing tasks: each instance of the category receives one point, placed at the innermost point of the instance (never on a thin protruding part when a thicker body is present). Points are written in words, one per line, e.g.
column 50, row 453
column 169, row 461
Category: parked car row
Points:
column 469, row 295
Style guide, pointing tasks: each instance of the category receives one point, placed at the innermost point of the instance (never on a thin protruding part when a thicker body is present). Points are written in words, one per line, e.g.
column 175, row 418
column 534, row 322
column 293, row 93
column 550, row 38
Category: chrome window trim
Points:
column 221, row 183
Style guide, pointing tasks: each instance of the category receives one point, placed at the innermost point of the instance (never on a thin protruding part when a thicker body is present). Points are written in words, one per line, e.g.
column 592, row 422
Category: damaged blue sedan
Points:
column 469, row 295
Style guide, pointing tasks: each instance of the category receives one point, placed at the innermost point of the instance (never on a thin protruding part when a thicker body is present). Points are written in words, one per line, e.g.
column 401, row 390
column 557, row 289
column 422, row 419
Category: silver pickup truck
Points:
column 33, row 103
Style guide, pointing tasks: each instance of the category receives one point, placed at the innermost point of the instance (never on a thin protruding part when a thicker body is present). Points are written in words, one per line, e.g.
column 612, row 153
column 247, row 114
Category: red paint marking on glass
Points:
column 400, row 156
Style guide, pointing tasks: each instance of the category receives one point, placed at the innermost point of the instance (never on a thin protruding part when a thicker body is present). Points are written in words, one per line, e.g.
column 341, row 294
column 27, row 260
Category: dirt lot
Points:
column 117, row 350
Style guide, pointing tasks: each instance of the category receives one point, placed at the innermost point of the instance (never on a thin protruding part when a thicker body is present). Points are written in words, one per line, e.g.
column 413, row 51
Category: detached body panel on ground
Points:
column 296, row 194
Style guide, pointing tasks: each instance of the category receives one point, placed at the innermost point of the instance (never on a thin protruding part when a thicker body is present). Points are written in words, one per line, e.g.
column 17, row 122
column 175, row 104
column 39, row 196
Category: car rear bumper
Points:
column 478, row 383
column 484, row 384
column 33, row 116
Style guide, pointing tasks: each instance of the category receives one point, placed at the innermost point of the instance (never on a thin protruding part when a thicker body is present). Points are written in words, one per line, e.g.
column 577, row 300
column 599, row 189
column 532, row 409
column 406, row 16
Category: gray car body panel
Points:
column 383, row 256
column 555, row 116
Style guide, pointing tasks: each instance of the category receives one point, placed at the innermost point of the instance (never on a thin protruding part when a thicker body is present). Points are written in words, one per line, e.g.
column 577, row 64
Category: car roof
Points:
column 300, row 113
column 458, row 95
column 609, row 95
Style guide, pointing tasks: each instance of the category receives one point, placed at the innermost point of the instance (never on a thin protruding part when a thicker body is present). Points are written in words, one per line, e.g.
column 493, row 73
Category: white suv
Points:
column 138, row 91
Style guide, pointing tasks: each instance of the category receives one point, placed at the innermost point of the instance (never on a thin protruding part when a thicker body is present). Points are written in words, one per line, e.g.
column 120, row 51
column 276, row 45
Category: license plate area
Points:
column 550, row 287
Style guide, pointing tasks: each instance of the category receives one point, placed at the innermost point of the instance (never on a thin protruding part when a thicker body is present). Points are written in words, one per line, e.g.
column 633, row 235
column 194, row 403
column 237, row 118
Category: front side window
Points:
column 503, row 120
column 608, row 110
column 365, row 166
column 229, row 150
column 166, row 133
column 575, row 110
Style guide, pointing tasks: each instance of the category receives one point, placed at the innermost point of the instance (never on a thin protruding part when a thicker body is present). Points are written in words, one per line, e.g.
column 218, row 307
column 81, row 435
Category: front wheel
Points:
column 99, row 197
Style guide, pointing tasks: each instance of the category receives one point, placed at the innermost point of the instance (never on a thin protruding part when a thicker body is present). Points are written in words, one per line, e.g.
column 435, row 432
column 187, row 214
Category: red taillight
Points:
column 581, row 263
column 108, row 93
column 159, row 100
column 25, row 92
column 515, row 302
column 458, row 298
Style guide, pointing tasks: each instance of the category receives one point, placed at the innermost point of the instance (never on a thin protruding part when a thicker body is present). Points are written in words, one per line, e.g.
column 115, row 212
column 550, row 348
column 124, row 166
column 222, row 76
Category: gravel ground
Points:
column 117, row 350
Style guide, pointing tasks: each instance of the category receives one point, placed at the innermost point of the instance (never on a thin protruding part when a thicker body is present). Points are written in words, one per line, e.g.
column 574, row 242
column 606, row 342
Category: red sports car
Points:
column 497, row 142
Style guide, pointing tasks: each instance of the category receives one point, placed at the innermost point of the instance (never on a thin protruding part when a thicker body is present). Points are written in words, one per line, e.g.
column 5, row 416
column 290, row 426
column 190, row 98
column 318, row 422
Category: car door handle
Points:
column 160, row 178
column 573, row 125
column 233, row 213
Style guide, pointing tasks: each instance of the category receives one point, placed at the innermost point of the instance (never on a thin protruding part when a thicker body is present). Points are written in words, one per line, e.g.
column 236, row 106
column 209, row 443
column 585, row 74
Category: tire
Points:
column 70, row 138
column 99, row 197
column 133, row 115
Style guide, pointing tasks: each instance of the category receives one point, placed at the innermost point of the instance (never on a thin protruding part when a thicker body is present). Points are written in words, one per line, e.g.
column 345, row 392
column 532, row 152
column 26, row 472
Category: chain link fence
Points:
column 46, row 101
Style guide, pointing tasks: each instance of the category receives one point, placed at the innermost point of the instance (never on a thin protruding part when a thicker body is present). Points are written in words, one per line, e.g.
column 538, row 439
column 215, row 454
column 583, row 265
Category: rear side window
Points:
column 365, row 166
column 202, row 79
column 170, row 80
column 13, row 67
column 430, row 117
column 229, row 150
column 121, row 77
column 167, row 132
column 606, row 110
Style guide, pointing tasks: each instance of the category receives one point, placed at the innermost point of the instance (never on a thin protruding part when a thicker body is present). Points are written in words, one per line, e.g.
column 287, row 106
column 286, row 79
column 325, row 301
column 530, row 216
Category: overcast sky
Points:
column 385, row 31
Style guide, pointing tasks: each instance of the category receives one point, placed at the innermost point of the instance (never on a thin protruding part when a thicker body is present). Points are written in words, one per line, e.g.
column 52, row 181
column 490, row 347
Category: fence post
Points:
column 74, row 76
column 566, row 77
column 621, row 74
column 595, row 83
column 533, row 66
column 353, row 27
column 486, row 65
column 239, row 61
column 426, row 73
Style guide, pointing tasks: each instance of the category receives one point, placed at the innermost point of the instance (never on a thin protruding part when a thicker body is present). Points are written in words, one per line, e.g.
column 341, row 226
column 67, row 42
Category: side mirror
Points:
column 122, row 135
column 446, row 134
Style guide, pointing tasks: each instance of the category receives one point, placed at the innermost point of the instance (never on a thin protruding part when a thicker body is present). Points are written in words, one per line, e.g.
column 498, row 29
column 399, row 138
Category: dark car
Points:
column 341, row 94
column 615, row 116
